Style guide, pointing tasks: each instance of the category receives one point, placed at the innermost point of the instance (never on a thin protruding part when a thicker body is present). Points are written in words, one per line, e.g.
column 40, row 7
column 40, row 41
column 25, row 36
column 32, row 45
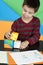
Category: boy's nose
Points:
column 26, row 14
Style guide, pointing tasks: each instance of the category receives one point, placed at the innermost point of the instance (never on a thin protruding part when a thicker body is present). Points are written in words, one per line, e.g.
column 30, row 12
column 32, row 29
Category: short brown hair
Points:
column 32, row 3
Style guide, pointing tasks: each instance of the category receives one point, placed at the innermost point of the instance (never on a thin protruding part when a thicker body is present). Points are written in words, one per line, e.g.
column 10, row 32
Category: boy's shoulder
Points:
column 17, row 19
column 36, row 18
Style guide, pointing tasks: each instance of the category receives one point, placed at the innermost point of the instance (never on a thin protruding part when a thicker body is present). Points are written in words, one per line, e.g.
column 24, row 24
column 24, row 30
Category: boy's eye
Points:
column 29, row 12
column 25, row 10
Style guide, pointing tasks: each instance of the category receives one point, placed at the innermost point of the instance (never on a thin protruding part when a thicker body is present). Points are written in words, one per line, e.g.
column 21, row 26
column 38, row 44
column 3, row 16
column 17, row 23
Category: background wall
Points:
column 10, row 10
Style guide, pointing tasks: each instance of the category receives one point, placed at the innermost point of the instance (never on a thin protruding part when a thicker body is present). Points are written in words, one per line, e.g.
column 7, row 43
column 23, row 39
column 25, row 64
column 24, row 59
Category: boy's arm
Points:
column 13, row 27
column 36, row 33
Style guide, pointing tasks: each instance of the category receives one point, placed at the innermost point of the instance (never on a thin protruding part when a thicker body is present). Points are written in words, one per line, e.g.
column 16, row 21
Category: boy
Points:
column 27, row 26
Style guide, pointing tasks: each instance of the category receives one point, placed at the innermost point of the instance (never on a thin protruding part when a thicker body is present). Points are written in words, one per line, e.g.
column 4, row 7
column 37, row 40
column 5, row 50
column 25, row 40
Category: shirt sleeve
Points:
column 36, row 33
column 13, row 27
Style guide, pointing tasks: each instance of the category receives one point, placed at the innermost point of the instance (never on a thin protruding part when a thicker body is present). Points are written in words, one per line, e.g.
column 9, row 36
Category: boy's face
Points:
column 27, row 12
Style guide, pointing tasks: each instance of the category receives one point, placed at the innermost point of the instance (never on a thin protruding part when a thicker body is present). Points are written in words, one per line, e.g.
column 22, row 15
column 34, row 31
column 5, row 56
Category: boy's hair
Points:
column 32, row 3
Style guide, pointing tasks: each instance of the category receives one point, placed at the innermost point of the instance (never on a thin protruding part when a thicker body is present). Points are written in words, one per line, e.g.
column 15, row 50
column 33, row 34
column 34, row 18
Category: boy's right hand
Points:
column 7, row 35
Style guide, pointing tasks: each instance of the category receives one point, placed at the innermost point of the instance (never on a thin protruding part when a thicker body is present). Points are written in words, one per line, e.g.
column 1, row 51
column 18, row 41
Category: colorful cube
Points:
column 14, row 36
column 8, row 43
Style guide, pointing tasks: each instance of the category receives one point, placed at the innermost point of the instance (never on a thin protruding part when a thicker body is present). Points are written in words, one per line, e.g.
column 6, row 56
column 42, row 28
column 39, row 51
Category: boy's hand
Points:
column 7, row 35
column 24, row 44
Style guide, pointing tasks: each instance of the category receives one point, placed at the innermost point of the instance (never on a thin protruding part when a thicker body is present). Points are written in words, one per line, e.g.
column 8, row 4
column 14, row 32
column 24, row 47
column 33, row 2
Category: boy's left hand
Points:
column 24, row 44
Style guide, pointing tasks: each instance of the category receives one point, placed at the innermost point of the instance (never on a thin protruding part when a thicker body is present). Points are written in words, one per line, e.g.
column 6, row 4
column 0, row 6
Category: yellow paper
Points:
column 14, row 36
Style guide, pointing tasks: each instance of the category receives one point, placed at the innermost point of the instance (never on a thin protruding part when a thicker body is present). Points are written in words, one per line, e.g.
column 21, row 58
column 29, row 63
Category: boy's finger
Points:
column 8, row 37
column 9, row 33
